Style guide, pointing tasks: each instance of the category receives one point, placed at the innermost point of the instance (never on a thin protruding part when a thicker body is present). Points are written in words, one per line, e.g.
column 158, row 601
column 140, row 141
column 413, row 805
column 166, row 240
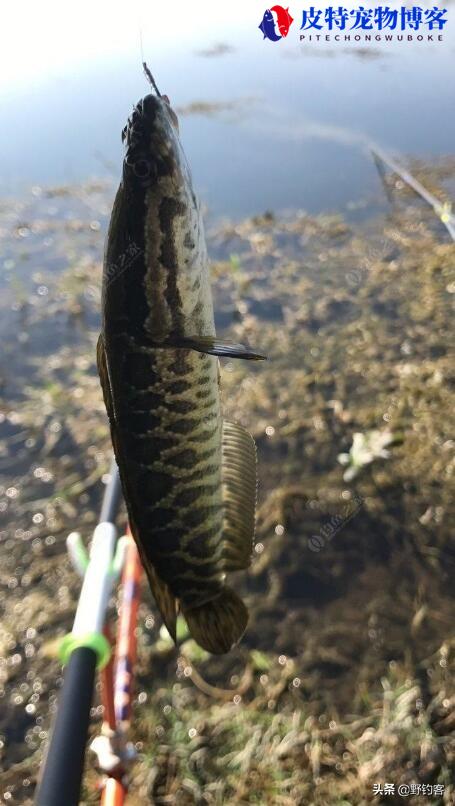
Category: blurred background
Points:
column 281, row 124
column 326, row 260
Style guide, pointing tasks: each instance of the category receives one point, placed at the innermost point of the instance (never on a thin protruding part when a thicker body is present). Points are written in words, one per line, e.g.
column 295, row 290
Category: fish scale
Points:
column 188, row 476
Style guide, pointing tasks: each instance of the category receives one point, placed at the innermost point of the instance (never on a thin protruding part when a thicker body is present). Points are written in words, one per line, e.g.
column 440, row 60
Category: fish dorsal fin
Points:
column 239, row 484
column 104, row 377
column 107, row 395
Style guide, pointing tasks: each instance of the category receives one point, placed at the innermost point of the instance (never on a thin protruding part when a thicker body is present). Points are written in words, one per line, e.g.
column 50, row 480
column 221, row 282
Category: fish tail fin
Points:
column 219, row 624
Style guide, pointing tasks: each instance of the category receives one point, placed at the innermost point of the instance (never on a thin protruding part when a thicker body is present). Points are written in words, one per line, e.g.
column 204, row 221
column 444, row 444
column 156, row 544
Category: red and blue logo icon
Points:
column 276, row 23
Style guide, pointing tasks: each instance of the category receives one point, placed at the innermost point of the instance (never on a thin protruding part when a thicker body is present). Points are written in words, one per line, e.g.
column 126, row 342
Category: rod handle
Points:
column 64, row 764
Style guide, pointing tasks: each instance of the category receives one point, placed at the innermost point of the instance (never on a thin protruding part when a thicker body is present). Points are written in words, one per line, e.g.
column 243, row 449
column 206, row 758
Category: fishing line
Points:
column 144, row 63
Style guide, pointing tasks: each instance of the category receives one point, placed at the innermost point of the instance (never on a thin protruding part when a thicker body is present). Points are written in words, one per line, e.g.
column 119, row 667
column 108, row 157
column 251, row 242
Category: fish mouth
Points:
column 150, row 144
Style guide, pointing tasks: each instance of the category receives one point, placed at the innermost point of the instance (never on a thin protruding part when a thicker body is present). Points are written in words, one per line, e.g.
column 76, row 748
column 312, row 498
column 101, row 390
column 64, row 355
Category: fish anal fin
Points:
column 165, row 600
column 239, row 487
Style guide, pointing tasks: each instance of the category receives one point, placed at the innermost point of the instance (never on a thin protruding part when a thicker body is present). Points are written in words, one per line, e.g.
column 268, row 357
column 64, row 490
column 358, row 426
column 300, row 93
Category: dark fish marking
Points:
column 184, row 426
column 167, row 540
column 182, row 406
column 199, row 569
column 165, row 566
column 178, row 387
column 186, row 458
column 198, row 308
column 162, row 444
column 188, row 241
column 138, row 370
column 203, row 436
column 142, row 441
column 149, row 446
column 168, row 210
column 121, row 324
column 180, row 366
column 135, row 303
column 199, row 516
column 138, row 422
column 163, row 517
column 208, row 405
column 191, row 495
column 201, row 394
column 200, row 546
column 146, row 401
column 155, row 485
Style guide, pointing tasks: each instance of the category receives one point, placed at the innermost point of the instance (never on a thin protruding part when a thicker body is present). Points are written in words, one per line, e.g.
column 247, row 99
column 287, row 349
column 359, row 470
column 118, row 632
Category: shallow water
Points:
column 283, row 127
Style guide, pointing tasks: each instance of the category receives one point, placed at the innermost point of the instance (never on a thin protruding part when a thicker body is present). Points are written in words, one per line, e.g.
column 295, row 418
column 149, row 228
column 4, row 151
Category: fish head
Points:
column 152, row 145
column 156, row 174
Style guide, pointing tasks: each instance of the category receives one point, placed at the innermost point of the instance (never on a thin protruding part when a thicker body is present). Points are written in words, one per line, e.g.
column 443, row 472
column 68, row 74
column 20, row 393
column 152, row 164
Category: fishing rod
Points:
column 115, row 753
column 442, row 210
column 82, row 651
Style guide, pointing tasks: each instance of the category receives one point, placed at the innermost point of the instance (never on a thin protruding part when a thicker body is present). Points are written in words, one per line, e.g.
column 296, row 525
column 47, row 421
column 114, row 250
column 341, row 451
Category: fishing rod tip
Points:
column 150, row 79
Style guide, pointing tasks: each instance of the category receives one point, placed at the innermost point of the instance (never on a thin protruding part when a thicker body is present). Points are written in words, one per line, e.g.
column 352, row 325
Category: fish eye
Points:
column 141, row 168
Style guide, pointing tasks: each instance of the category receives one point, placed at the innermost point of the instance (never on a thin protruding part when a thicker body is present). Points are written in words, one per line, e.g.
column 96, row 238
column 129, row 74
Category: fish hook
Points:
column 151, row 79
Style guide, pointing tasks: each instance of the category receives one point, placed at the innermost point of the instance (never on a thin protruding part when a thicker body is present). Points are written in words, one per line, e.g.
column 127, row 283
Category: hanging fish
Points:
column 188, row 475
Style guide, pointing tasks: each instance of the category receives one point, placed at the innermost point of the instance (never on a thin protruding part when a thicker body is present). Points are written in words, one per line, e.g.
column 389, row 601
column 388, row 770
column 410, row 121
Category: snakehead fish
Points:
column 188, row 475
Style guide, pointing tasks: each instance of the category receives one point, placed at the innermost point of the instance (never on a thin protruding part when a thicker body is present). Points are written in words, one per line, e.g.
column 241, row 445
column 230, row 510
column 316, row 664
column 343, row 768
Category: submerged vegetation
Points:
column 345, row 678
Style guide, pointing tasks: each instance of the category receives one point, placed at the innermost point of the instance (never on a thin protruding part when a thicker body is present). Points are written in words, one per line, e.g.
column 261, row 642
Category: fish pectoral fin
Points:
column 165, row 600
column 239, row 487
column 221, row 347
